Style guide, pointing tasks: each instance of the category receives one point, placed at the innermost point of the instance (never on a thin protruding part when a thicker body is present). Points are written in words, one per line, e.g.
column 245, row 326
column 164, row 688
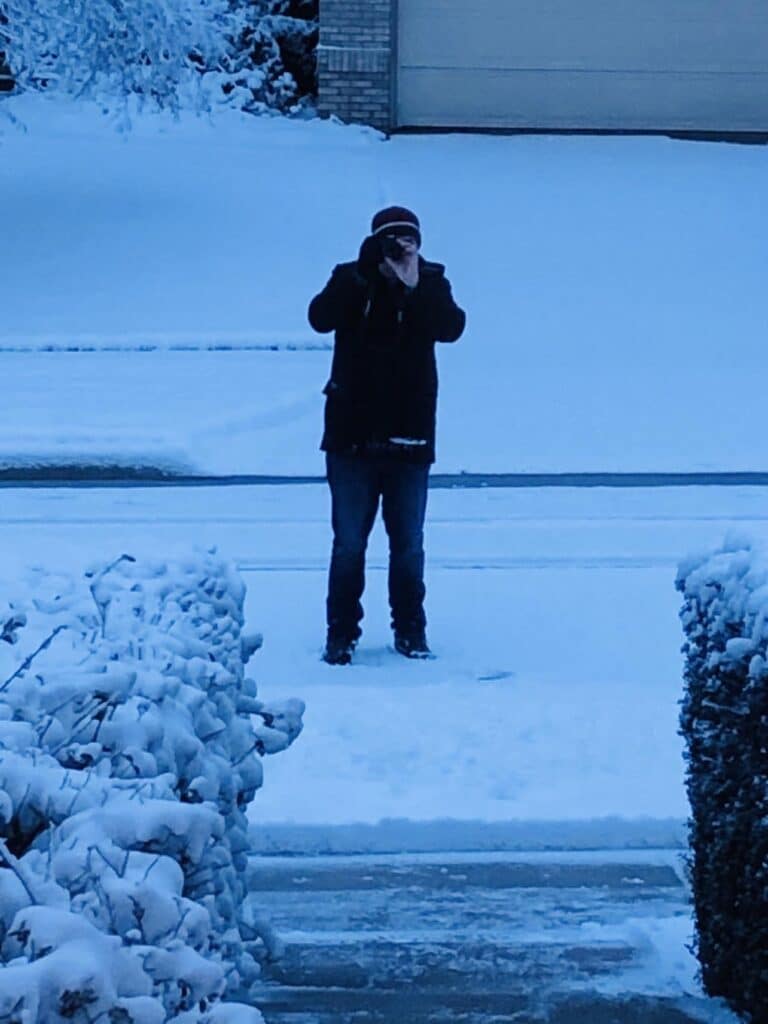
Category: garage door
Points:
column 590, row 64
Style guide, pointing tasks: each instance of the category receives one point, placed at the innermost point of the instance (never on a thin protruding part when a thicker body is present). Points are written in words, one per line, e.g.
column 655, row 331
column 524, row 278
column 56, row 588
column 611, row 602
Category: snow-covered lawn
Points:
column 553, row 614
column 261, row 412
column 614, row 290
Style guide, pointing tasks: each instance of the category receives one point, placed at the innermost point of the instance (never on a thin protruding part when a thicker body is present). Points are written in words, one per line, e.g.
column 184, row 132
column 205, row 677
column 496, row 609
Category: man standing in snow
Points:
column 388, row 309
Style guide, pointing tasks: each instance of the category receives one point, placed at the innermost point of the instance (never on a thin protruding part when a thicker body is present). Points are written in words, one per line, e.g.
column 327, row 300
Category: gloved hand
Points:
column 370, row 257
column 405, row 268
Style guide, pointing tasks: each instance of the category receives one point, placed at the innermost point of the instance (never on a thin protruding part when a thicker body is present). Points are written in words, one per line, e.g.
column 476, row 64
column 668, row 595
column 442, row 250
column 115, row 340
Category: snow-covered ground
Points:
column 553, row 614
column 548, row 720
column 614, row 290
column 616, row 322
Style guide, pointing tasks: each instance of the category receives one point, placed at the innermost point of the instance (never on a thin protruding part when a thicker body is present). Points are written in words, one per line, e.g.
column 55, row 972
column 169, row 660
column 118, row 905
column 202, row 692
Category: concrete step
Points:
column 469, row 939
column 377, row 1007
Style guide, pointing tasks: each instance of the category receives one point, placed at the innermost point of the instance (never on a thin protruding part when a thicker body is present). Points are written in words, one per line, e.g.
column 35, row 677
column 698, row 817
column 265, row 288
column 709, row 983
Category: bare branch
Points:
column 28, row 661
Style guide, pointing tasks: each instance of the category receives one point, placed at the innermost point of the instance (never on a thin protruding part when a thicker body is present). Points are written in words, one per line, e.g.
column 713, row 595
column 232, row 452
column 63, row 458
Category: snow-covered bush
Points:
column 271, row 56
column 130, row 746
column 6, row 81
column 104, row 48
column 255, row 54
column 725, row 723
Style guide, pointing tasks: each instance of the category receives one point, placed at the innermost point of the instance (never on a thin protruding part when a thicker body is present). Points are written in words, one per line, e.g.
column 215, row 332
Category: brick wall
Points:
column 355, row 60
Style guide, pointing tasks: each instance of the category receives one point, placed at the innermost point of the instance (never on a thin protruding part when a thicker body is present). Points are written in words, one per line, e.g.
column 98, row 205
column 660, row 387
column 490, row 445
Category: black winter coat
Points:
column 382, row 395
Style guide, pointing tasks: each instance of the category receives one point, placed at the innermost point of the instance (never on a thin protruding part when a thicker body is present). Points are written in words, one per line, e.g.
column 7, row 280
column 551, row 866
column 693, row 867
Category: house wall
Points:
column 599, row 65
column 595, row 65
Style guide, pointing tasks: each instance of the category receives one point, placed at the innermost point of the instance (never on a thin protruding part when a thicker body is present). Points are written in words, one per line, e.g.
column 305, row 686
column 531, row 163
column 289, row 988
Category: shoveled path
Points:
column 474, row 939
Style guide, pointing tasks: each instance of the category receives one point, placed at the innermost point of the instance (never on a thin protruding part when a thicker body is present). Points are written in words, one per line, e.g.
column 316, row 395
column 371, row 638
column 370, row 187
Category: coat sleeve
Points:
column 436, row 312
column 339, row 303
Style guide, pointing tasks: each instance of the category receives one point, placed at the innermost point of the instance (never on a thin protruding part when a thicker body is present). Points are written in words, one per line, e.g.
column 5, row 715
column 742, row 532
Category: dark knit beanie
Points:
column 396, row 220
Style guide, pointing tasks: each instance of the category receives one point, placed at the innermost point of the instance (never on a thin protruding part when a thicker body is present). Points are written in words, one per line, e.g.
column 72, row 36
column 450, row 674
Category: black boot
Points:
column 338, row 651
column 413, row 645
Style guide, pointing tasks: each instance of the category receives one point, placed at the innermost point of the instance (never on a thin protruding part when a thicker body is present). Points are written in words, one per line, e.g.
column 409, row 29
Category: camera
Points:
column 391, row 248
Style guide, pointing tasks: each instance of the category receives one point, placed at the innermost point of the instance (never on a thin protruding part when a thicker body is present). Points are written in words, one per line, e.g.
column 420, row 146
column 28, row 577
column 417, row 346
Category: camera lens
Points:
column 392, row 247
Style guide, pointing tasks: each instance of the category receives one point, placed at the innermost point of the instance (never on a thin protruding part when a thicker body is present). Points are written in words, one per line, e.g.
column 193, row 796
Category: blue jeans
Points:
column 358, row 483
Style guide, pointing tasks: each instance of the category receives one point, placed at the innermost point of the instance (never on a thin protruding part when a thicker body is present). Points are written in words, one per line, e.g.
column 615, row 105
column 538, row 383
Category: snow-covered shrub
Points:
column 254, row 54
column 725, row 723
column 295, row 27
column 103, row 48
column 6, row 80
column 130, row 746
column 270, row 62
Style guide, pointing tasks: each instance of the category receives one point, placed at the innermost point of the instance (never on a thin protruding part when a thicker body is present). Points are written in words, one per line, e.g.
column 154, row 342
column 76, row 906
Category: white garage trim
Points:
column 698, row 65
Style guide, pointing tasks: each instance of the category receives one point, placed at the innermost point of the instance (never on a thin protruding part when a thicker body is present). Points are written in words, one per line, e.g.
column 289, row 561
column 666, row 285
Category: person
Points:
column 387, row 310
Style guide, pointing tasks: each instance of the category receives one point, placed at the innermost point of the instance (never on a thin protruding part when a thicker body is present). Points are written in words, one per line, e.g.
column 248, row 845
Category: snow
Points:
column 123, row 789
column 668, row 965
column 109, row 52
column 553, row 614
column 515, row 720
column 154, row 315
column 613, row 285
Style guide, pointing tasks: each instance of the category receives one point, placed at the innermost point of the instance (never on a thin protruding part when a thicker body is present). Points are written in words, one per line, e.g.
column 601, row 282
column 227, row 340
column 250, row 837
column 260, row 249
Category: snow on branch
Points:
column 131, row 744
column 724, row 720
column 198, row 54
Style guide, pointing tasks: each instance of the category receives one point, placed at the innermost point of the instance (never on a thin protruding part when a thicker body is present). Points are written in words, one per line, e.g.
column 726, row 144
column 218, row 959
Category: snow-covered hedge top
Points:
column 726, row 594
column 724, row 719
column 130, row 746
